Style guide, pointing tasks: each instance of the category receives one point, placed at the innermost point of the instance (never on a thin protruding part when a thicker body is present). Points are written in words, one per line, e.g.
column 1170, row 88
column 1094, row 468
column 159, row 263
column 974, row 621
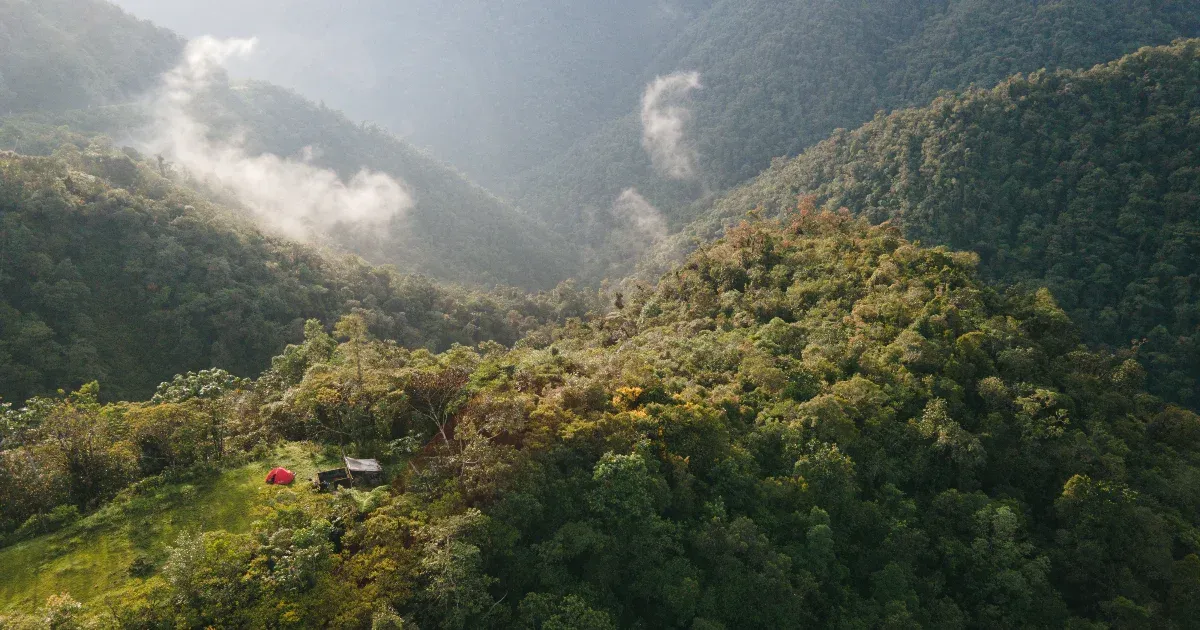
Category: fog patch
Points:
column 665, row 116
column 291, row 195
column 640, row 216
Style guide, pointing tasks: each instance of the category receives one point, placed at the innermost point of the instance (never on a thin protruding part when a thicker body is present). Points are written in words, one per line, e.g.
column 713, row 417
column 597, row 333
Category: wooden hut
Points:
column 355, row 471
column 368, row 470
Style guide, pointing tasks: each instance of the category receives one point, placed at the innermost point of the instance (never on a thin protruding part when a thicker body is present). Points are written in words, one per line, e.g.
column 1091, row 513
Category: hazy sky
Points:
column 492, row 86
column 318, row 48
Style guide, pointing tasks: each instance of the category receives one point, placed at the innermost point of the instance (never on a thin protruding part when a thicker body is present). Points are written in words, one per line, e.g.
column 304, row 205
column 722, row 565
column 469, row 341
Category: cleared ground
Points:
column 109, row 550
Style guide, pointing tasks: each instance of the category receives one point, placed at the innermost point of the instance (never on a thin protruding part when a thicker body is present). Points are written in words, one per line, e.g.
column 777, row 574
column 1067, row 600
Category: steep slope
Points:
column 110, row 271
column 63, row 54
column 1082, row 181
column 118, row 546
column 817, row 425
column 456, row 231
column 779, row 76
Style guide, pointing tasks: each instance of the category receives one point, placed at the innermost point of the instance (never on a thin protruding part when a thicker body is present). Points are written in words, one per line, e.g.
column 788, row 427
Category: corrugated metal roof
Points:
column 363, row 465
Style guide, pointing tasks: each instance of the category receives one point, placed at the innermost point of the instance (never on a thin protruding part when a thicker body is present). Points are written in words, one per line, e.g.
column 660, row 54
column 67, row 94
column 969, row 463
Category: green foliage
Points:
column 456, row 231
column 821, row 424
column 62, row 54
column 202, row 385
column 235, row 580
column 52, row 521
column 61, row 612
column 132, row 283
column 72, row 451
column 115, row 554
column 1083, row 182
column 810, row 424
column 779, row 76
column 86, row 64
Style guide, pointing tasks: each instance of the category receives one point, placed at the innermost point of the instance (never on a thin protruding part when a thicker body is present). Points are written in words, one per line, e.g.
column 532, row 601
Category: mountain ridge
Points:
column 114, row 272
column 456, row 231
column 1075, row 179
column 781, row 76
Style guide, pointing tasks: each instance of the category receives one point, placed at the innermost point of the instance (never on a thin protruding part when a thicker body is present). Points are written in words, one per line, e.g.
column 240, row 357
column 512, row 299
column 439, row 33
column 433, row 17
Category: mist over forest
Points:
column 702, row 314
column 492, row 87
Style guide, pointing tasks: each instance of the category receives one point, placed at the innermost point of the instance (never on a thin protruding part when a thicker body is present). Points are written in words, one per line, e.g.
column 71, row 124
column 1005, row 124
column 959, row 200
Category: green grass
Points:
column 93, row 556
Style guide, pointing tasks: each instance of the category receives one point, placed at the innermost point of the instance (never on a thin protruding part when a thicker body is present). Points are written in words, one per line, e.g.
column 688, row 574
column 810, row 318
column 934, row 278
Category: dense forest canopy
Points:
column 756, row 102
column 938, row 371
column 112, row 271
column 818, row 424
column 780, row 75
column 66, row 54
column 1084, row 182
column 455, row 230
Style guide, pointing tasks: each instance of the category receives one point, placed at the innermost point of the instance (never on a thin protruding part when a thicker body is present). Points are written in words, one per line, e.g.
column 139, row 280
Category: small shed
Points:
column 362, row 465
column 368, row 470
column 327, row 480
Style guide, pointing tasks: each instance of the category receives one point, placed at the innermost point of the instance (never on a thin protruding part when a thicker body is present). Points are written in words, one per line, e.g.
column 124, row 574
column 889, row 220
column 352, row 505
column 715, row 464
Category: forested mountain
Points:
column 939, row 371
column 1084, row 182
column 779, row 75
column 111, row 271
column 776, row 77
column 816, row 425
column 60, row 54
column 455, row 229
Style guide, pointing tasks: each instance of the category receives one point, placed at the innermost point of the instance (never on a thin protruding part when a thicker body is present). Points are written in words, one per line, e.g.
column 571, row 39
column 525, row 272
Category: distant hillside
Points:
column 110, row 271
column 494, row 87
column 780, row 75
column 1086, row 182
column 457, row 231
column 65, row 54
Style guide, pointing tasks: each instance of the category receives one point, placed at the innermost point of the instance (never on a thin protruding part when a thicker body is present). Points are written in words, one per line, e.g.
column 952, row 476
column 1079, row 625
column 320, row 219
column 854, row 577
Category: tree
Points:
column 87, row 444
column 436, row 394
column 353, row 328
column 210, row 390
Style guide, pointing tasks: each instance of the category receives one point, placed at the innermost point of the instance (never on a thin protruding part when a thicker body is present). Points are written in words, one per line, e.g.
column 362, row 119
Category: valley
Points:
column 691, row 314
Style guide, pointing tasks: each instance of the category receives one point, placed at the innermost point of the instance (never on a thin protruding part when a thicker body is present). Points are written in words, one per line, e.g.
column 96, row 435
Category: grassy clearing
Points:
column 94, row 556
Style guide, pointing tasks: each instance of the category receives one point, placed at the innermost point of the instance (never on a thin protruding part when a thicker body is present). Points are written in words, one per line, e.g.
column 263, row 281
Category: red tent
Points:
column 281, row 476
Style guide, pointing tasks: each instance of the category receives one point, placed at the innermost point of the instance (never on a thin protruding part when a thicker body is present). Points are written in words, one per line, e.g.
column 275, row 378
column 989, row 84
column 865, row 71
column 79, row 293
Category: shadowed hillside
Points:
column 779, row 76
column 1084, row 182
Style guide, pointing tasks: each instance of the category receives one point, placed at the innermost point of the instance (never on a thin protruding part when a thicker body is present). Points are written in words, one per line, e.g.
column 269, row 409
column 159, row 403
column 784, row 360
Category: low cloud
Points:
column 664, row 121
column 637, row 215
column 290, row 195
